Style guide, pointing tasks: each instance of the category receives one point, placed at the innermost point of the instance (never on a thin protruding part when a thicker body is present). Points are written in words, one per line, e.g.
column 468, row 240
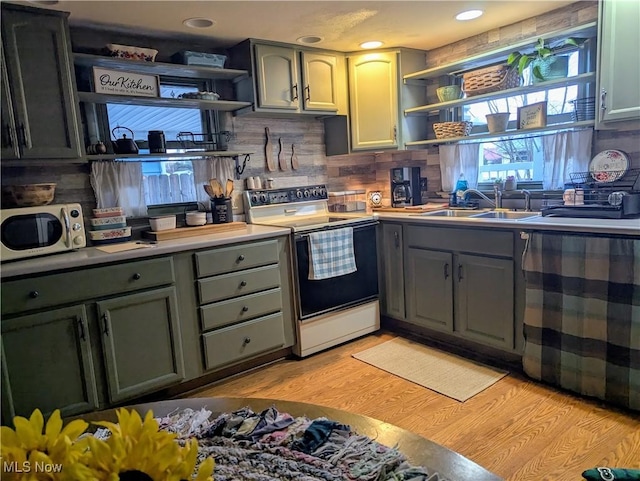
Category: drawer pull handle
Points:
column 446, row 271
column 240, row 258
column 460, row 272
column 137, row 276
column 247, row 340
column 245, row 308
column 34, row 294
column 243, row 283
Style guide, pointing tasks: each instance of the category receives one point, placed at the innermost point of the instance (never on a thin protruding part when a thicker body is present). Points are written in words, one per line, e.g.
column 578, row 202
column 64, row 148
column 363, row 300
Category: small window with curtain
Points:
column 541, row 160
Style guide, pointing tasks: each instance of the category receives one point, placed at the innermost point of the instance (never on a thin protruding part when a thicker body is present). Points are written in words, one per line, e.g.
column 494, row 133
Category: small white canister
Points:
column 195, row 217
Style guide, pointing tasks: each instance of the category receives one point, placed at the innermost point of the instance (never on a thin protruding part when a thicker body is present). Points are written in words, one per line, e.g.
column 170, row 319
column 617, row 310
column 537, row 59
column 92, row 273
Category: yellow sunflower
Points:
column 28, row 453
column 135, row 448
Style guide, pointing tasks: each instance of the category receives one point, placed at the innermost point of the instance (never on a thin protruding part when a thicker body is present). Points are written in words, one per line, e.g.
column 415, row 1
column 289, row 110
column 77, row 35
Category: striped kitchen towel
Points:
column 331, row 253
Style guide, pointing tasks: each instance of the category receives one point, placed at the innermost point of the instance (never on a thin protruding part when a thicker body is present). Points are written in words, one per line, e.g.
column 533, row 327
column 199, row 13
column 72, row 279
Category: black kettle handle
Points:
column 124, row 136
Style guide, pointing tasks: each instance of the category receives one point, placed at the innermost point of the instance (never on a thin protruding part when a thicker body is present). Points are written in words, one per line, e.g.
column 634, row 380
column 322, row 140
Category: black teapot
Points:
column 124, row 145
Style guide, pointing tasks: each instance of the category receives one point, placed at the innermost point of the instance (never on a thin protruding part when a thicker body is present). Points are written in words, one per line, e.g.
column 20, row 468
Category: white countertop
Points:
column 536, row 222
column 93, row 256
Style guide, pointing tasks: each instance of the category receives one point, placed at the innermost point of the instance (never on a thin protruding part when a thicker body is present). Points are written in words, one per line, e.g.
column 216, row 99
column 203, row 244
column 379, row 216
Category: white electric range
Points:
column 334, row 310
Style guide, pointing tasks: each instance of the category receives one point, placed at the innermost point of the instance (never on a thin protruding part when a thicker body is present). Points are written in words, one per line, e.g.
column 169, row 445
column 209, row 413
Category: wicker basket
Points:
column 447, row 130
column 490, row 79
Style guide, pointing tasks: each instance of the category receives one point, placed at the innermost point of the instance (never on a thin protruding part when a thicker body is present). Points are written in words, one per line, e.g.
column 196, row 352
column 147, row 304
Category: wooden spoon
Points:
column 294, row 158
column 282, row 162
column 209, row 190
column 216, row 187
column 228, row 188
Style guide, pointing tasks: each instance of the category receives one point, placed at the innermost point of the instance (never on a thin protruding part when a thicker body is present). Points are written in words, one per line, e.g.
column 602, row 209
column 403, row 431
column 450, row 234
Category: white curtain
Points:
column 456, row 159
column 564, row 153
column 221, row 168
column 119, row 184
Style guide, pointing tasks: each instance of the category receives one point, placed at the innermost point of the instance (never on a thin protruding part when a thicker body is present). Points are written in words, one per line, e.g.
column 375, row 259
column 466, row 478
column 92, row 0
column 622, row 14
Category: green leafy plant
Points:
column 542, row 53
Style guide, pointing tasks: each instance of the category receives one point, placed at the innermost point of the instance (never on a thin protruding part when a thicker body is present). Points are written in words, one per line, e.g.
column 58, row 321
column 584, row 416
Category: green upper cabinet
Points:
column 277, row 77
column 41, row 120
column 373, row 100
column 619, row 62
column 319, row 81
column 287, row 79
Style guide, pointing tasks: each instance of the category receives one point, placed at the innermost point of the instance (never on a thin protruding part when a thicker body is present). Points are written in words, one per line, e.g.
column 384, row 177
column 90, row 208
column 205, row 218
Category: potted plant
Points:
column 545, row 61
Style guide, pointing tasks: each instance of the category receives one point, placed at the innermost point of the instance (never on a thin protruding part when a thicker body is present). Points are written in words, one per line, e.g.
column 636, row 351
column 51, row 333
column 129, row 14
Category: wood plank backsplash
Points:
column 369, row 171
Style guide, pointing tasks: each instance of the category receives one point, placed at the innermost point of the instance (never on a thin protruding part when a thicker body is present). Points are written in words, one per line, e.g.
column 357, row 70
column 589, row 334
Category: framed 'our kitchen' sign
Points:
column 117, row 82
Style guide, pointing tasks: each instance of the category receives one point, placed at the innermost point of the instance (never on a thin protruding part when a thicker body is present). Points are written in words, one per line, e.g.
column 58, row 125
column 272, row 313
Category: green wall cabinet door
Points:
column 41, row 85
column 142, row 342
column 619, row 63
column 484, row 299
column 430, row 289
column 373, row 100
column 47, row 364
column 277, row 77
column 392, row 260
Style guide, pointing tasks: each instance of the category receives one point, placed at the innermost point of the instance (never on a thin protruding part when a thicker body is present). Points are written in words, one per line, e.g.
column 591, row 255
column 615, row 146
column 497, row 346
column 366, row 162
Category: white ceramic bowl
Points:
column 162, row 222
column 132, row 53
column 196, row 218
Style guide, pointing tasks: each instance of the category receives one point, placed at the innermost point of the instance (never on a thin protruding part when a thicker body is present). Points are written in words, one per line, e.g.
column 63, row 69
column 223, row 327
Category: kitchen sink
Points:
column 509, row 215
column 450, row 213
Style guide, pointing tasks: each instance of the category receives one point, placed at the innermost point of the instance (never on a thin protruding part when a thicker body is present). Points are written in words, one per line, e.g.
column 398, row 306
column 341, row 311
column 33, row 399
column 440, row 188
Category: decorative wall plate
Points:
column 609, row 166
column 375, row 199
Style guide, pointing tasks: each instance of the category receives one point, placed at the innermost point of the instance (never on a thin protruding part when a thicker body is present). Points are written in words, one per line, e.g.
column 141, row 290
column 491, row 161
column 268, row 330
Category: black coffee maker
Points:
column 405, row 186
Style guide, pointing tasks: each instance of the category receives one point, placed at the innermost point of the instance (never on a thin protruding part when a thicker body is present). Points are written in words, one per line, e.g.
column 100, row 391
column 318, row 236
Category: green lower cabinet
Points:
column 484, row 300
column 47, row 364
column 391, row 268
column 141, row 342
column 471, row 296
column 430, row 289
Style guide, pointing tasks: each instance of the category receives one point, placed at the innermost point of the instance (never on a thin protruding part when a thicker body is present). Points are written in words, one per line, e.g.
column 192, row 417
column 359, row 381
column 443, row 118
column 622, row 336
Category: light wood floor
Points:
column 517, row 428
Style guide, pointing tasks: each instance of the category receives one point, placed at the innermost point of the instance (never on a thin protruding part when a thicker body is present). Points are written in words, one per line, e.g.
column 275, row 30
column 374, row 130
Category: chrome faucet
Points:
column 497, row 203
column 527, row 200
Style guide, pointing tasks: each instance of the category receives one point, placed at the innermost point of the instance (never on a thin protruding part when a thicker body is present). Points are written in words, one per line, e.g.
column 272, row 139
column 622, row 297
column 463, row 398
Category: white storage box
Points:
column 188, row 57
column 162, row 222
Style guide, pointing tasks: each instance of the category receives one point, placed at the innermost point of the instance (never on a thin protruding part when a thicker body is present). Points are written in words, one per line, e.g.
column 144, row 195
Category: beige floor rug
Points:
column 451, row 375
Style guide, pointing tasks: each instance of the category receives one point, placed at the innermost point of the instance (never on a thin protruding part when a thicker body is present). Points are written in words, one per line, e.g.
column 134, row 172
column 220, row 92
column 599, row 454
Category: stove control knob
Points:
column 306, row 192
column 323, row 192
column 254, row 199
column 263, row 198
column 314, row 192
column 299, row 194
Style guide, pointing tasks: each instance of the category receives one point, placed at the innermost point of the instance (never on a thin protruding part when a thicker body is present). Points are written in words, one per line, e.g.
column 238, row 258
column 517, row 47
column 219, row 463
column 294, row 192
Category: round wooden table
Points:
column 418, row 450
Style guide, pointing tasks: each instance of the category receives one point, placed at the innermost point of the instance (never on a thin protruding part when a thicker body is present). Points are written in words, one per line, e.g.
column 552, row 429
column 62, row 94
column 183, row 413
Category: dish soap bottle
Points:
column 461, row 186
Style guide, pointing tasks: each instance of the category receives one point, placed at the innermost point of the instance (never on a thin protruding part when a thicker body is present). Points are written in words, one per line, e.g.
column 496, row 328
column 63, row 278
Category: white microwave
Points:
column 35, row 231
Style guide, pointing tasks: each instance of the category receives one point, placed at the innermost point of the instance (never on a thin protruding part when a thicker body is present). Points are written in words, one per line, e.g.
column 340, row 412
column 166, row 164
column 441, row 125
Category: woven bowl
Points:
column 28, row 195
column 448, row 93
column 448, row 130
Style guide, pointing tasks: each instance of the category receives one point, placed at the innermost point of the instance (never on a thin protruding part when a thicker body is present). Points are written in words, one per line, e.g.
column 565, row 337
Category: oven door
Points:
column 320, row 296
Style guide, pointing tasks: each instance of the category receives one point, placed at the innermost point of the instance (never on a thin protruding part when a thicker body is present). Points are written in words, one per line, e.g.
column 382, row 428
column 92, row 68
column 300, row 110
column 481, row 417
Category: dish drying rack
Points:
column 214, row 141
column 597, row 192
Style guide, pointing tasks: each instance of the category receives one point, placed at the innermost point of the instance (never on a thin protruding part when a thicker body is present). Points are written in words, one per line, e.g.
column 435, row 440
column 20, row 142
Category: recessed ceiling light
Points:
column 469, row 14
column 309, row 39
column 371, row 44
column 198, row 22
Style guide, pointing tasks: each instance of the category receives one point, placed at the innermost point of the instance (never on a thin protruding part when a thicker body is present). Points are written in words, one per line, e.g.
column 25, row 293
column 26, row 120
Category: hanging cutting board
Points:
column 282, row 161
column 294, row 158
column 182, row 232
column 268, row 151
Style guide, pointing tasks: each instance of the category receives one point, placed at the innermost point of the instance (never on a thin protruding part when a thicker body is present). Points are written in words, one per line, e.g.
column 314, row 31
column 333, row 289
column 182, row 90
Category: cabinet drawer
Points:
column 238, row 283
column 234, row 343
column 242, row 308
column 230, row 259
column 57, row 289
column 479, row 241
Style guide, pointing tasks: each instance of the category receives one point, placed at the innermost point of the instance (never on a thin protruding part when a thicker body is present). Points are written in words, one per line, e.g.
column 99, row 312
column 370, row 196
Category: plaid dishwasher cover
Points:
column 582, row 315
column 331, row 253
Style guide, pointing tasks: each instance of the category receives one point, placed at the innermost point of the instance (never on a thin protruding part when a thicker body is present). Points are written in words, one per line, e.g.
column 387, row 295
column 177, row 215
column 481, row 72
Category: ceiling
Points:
column 342, row 25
